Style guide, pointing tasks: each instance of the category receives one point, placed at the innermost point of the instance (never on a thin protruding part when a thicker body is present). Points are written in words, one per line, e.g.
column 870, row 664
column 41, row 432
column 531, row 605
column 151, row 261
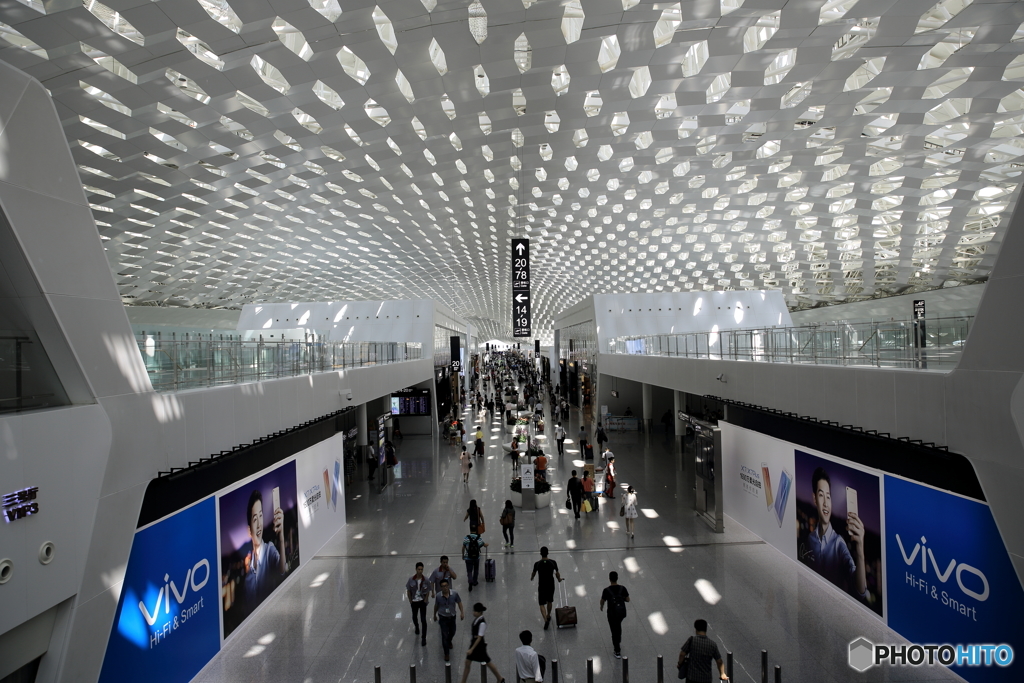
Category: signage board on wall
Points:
column 522, row 312
column 167, row 622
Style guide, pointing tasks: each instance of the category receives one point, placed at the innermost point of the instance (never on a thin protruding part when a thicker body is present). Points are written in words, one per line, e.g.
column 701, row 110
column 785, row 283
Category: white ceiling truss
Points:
column 237, row 151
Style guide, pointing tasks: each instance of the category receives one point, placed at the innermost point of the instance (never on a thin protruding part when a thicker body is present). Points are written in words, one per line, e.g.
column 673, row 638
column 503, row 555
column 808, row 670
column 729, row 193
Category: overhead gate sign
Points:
column 521, row 314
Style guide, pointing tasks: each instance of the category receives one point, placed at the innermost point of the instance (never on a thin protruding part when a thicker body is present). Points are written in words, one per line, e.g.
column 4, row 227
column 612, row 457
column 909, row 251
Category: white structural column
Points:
column 678, row 405
column 648, row 390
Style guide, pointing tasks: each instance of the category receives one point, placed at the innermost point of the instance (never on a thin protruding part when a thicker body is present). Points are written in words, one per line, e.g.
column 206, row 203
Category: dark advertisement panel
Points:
column 167, row 624
column 259, row 541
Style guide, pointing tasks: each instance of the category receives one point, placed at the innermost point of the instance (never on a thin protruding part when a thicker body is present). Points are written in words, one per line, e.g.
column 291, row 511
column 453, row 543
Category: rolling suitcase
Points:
column 588, row 452
column 490, row 569
column 565, row 616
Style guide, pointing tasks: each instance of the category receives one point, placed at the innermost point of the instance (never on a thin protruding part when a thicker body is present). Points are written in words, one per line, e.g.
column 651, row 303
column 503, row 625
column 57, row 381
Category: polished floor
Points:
column 345, row 611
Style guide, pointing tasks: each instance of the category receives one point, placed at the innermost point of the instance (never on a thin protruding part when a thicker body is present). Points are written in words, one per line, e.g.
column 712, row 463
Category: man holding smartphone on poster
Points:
column 830, row 555
column 265, row 565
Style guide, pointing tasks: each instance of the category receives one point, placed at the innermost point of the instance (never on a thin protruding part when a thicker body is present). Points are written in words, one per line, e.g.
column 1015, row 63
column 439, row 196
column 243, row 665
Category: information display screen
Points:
column 410, row 402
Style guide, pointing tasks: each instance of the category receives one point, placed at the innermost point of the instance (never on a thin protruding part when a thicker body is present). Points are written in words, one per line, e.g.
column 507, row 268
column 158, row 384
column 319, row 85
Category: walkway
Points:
column 345, row 611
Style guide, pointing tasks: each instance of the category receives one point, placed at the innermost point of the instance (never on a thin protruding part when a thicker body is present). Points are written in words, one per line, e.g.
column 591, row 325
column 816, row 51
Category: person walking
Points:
column 477, row 651
column 609, row 478
column 527, row 660
column 471, row 546
column 616, row 596
column 442, row 573
column 606, row 456
column 629, row 511
column 444, row 606
column 508, row 525
column 418, row 589
column 478, row 447
column 479, row 433
column 581, row 437
column 574, row 489
column 701, row 650
column 600, row 437
column 474, row 514
column 466, row 464
column 588, row 490
column 560, row 438
column 548, row 570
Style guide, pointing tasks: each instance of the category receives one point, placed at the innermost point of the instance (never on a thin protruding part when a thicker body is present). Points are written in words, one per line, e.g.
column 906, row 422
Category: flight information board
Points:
column 410, row 402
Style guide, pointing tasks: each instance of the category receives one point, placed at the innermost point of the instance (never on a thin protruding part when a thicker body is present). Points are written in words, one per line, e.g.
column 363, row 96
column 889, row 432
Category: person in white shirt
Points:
column 527, row 660
column 560, row 438
column 606, row 456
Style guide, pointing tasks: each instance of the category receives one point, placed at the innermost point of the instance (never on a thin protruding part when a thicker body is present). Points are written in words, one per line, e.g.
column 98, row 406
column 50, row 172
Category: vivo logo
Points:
column 163, row 596
column 926, row 554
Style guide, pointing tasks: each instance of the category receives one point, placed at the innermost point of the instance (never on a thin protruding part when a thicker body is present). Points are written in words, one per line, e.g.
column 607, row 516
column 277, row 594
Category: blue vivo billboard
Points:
column 167, row 624
column 949, row 577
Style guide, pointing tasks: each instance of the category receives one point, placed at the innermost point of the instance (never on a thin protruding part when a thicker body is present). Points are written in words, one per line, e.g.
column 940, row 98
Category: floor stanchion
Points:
column 661, row 669
column 625, row 670
column 376, row 674
column 764, row 666
column 778, row 674
column 728, row 664
column 590, row 670
column 412, row 673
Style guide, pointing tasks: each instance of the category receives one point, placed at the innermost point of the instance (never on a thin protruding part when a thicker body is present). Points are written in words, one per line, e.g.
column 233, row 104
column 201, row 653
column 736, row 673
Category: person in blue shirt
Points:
column 829, row 554
column 265, row 565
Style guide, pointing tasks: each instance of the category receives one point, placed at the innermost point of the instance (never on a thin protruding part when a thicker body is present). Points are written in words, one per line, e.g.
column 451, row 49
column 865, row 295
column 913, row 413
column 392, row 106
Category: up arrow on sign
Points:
column 521, row 314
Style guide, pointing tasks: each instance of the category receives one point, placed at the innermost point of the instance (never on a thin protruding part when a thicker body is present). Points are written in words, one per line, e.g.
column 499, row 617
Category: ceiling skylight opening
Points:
column 328, row 95
column 834, row 10
column 523, row 54
column 353, row 66
column 436, row 55
column 608, row 55
column 330, row 9
column 200, row 49
column 940, row 14
column 728, row 6
column 404, row 86
column 849, row 43
column 952, row 108
column 518, row 101
column 686, row 127
column 429, row 156
column 111, row 102
column 190, row 87
column 571, row 164
column 485, row 123
column 448, row 107
column 755, row 37
column 665, row 107
column 666, row 26
column 482, row 82
column 478, row 22
column 455, row 142
column 307, row 121
column 560, row 80
column 385, row 29
column 644, row 139
column 486, row 151
column 572, row 21
column 292, row 39
column 592, row 103
column 114, row 21
column 640, row 82
column 552, row 121
column 870, row 102
column 14, row 37
column 429, row 5
column 353, row 135
column 376, row 113
column 580, row 137
column 221, row 12
column 797, row 94
column 947, row 83
column 620, row 123
column 716, row 91
column 545, row 152
column 269, row 74
column 780, row 66
column 864, row 74
column 695, row 58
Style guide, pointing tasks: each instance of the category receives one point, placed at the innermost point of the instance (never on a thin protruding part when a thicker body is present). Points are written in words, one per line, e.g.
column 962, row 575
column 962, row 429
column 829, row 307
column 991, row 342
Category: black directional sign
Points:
column 521, row 313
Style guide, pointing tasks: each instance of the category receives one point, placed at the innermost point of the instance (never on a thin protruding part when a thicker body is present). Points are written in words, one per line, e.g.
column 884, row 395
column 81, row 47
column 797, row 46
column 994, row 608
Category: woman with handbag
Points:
column 475, row 515
column 629, row 511
column 467, row 465
column 508, row 525
column 588, row 492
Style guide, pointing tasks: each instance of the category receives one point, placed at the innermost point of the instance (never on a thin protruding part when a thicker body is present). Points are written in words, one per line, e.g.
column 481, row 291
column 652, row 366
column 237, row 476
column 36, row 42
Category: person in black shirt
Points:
column 575, row 491
column 616, row 596
column 701, row 650
column 548, row 570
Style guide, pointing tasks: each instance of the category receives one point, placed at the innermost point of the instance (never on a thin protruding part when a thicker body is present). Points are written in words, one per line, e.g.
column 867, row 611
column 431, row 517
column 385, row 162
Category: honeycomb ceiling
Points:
column 237, row 151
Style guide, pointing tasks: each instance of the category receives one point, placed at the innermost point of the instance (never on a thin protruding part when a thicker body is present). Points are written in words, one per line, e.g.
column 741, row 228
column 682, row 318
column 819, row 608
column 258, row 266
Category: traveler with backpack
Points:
column 508, row 525
column 616, row 596
column 471, row 546
column 600, row 437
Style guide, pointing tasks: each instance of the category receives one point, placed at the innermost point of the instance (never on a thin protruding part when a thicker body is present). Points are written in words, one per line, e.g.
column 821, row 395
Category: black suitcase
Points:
column 490, row 570
column 588, row 452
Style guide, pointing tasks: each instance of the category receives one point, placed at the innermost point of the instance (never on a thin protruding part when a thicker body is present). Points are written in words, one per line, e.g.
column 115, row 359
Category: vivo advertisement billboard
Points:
column 950, row 579
column 168, row 616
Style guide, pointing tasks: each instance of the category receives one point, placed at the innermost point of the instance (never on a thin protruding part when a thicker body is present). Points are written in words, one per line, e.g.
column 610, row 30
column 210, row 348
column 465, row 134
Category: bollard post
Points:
column 625, row 670
column 483, row 673
column 778, row 674
column 728, row 665
column 447, row 672
column 661, row 669
column 554, row 670
column 764, row 666
column 376, row 674
column 590, row 670
column 412, row 673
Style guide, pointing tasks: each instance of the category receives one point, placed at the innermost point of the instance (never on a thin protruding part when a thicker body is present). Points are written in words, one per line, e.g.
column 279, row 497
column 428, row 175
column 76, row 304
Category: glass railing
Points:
column 175, row 364
column 933, row 343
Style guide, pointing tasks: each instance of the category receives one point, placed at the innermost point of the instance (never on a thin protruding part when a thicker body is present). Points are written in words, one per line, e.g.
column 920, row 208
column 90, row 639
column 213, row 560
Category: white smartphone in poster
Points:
column 276, row 496
column 851, row 502
column 767, row 482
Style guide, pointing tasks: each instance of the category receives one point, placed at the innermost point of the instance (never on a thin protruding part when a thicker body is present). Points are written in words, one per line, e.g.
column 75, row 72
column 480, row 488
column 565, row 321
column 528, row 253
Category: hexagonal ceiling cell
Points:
column 351, row 150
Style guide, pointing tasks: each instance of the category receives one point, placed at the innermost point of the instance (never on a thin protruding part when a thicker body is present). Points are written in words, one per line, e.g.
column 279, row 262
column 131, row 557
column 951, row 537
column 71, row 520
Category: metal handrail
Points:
column 176, row 364
column 935, row 343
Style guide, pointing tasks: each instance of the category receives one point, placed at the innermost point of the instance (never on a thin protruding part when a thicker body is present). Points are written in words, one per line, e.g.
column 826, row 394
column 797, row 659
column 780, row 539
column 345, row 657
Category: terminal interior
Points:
column 258, row 261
